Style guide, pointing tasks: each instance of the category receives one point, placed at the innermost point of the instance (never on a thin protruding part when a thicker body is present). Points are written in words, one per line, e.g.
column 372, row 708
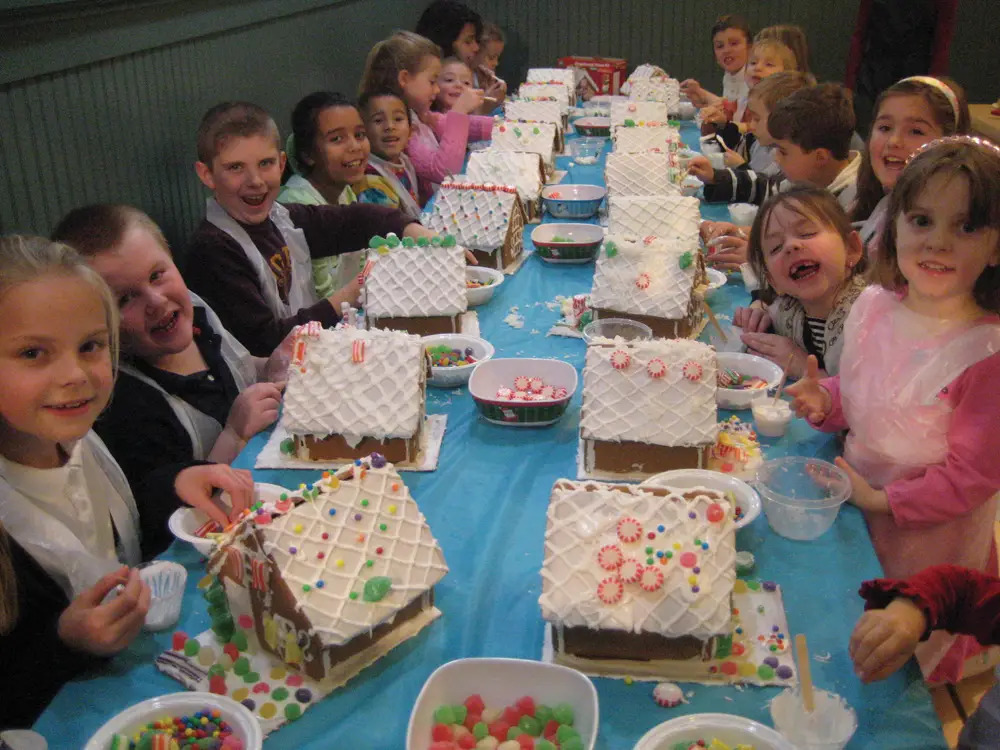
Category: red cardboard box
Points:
column 596, row 75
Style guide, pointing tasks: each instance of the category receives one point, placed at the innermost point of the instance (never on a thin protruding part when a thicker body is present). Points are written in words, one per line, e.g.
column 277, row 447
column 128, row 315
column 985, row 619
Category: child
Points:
column 250, row 258
column 484, row 68
column 455, row 78
column 187, row 390
column 327, row 153
column 409, row 65
column 792, row 37
column 67, row 514
column 902, row 612
column 908, row 114
column 390, row 178
column 731, row 40
column 803, row 247
column 454, row 27
column 917, row 383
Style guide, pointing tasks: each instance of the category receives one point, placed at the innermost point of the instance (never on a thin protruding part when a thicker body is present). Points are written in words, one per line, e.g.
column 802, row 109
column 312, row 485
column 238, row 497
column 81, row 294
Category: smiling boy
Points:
column 390, row 178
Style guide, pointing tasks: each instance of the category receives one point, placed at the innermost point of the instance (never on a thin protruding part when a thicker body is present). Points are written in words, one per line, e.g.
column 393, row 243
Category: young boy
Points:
column 250, row 259
column 390, row 178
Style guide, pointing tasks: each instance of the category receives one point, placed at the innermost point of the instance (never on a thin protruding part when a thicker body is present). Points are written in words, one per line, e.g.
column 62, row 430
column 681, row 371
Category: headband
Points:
column 941, row 86
column 968, row 140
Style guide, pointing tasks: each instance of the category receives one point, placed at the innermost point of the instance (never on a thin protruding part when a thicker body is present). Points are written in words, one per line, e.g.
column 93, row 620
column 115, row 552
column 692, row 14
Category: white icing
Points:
column 638, row 112
column 647, row 138
column 583, row 517
column 674, row 217
column 566, row 76
column 383, row 396
column 416, row 282
column 628, row 404
column 522, row 136
column 524, row 171
column 646, row 173
column 479, row 219
column 533, row 110
column 665, row 90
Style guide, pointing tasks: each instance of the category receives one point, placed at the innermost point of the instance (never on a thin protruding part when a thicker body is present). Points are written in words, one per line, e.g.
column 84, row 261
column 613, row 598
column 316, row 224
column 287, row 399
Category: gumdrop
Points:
column 241, row 666
column 409, row 242
column 216, row 669
column 527, row 741
column 217, row 684
column 443, row 745
column 444, row 715
column 177, row 643
column 526, row 705
column 206, row 656
column 191, row 647
column 472, row 719
column 543, row 713
column 551, row 727
column 565, row 734
column 573, row 743
column 448, row 241
column 531, row 725
column 512, row 714
column 466, row 742
column 479, row 729
column 514, row 732
column 563, row 713
column 239, row 640
column 459, row 712
column 544, row 745
column 442, row 732
column 499, row 729
column 230, row 648
column 303, row 695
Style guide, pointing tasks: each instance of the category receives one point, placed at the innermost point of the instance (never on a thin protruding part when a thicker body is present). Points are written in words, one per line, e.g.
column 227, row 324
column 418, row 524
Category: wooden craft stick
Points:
column 715, row 322
column 490, row 99
column 784, row 377
column 805, row 673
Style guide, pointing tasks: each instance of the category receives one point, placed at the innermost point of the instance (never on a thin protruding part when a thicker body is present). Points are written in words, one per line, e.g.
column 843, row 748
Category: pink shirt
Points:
column 439, row 150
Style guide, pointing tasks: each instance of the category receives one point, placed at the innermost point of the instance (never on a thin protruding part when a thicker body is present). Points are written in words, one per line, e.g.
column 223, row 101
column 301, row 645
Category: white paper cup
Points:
column 718, row 161
column 742, row 213
column 166, row 585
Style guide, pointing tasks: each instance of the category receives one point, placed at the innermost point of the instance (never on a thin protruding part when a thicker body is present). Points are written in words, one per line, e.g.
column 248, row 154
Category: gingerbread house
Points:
column 349, row 566
column 539, row 110
column 418, row 287
column 637, row 112
column 643, row 173
column 665, row 90
column 488, row 219
column 654, row 281
column 644, row 72
column 540, row 138
column 352, row 392
column 673, row 217
column 648, row 137
column 566, row 77
column 522, row 169
column 648, row 407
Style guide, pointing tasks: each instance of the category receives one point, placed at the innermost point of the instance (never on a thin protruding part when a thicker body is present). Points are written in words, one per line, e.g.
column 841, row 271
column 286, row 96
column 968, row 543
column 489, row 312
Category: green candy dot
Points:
column 376, row 242
column 765, row 672
column 514, row 732
column 423, row 242
column 241, row 666
column 279, row 694
column 544, row 745
column 382, row 527
column 369, row 563
column 480, row 729
column 436, row 241
column 191, row 647
column 460, row 712
column 610, row 249
column 306, row 587
column 251, row 677
column 563, row 713
column 668, row 554
column 364, row 503
column 392, row 241
column 292, row 711
column 353, row 595
column 448, row 241
column 649, row 550
column 753, row 585
column 444, row 715
column 239, row 640
column 629, row 123
column 375, row 590
column 287, row 446
column 565, row 733
column 216, row 670
column 650, row 561
column 409, row 242
column 573, row 743
column 685, row 261
column 530, row 725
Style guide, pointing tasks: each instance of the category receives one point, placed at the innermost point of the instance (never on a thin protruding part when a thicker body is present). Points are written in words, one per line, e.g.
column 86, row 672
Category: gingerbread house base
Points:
column 534, row 210
column 425, row 326
column 689, row 327
column 335, row 448
column 628, row 459
column 587, row 643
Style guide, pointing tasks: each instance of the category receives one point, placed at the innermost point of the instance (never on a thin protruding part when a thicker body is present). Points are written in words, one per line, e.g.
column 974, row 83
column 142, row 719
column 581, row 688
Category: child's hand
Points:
column 709, row 230
column 701, row 168
column 733, row 159
column 727, row 252
column 694, row 92
column 348, row 293
column 468, row 101
column 275, row 368
column 752, row 319
column 884, row 639
column 105, row 629
column 778, row 349
column 863, row 494
column 812, row 400
column 255, row 409
column 714, row 114
column 197, row 485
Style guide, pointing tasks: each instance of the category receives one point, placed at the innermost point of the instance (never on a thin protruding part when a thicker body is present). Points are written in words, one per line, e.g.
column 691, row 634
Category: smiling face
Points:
column 466, row 47
column 388, row 125
column 731, row 48
column 454, row 79
column 939, row 252
column 761, row 65
column 806, row 259
column 421, row 88
column 245, row 176
column 757, row 115
column 55, row 366
column 904, row 123
column 155, row 306
column 340, row 153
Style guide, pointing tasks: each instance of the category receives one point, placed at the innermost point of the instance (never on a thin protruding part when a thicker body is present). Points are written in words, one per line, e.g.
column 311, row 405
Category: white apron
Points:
column 200, row 427
column 300, row 290
column 406, row 202
column 53, row 545
column 894, row 365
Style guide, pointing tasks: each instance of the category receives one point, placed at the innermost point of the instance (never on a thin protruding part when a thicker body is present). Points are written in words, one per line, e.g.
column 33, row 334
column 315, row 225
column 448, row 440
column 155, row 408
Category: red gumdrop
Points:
column 180, row 638
column 527, row 741
column 551, row 728
column 475, row 704
column 511, row 715
column 526, row 705
column 217, row 684
column 230, row 648
column 467, row 742
column 499, row 729
column 442, row 732
column 471, row 719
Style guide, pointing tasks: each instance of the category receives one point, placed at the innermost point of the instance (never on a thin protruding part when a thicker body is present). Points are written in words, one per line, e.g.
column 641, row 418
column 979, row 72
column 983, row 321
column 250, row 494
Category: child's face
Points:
column 55, row 366
column 388, row 126
column 939, row 253
column 903, row 124
column 757, row 121
column 489, row 54
column 797, row 164
column 455, row 78
column 806, row 259
column 245, row 176
column 341, row 148
column 156, row 312
column 466, row 46
column 730, row 47
column 762, row 64
column 421, row 88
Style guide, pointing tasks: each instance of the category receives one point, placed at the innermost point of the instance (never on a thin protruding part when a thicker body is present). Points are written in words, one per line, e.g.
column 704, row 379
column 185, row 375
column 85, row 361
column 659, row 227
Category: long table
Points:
column 486, row 504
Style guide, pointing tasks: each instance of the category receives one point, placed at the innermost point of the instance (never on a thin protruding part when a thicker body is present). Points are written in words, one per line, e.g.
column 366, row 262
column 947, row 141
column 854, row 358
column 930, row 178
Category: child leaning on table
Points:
column 390, row 179
column 250, row 259
column 69, row 519
column 731, row 40
column 409, row 65
column 902, row 612
column 917, row 383
column 802, row 246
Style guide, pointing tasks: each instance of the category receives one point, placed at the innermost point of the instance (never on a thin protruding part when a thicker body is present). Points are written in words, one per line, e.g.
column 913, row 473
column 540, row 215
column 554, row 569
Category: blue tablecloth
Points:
column 486, row 505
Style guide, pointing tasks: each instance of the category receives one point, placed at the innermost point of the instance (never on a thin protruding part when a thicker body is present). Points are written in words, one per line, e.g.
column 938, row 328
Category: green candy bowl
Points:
column 493, row 383
column 596, row 127
column 567, row 243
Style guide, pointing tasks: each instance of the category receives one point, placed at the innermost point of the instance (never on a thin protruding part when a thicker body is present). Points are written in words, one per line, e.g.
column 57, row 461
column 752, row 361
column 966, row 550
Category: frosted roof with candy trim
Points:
column 638, row 111
column 675, row 218
column 416, row 282
column 646, row 173
column 521, row 169
column 537, row 137
column 478, row 215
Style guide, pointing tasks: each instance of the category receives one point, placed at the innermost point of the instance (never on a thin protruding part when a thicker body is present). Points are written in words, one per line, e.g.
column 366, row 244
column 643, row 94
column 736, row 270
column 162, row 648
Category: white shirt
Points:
column 734, row 86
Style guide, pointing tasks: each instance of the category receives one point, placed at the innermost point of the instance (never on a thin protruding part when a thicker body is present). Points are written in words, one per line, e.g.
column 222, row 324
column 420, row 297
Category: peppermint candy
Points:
column 643, row 280
column 505, row 393
column 668, row 695
column 520, row 396
column 620, row 359
column 610, row 557
column 536, row 385
column 547, row 392
column 610, row 590
column 651, row 578
column 560, row 393
column 629, row 530
column 522, row 383
column 656, row 368
column 630, row 570
column 649, row 239
column 692, row 371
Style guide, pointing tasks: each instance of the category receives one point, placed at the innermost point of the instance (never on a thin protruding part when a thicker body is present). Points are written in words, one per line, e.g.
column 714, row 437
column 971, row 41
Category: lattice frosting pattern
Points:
column 416, row 282
column 622, row 558
column 530, row 110
column 522, row 170
column 675, row 218
column 647, row 138
column 638, row 112
column 665, row 90
column 651, row 276
column 536, row 138
column 647, row 173
column 478, row 218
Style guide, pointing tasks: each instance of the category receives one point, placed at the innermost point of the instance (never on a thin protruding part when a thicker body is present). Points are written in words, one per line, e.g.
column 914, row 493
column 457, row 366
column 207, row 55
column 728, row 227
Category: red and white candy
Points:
column 522, row 383
column 643, row 280
column 668, row 695
column 620, row 359
column 631, row 570
column 629, row 530
column 692, row 371
column 505, row 393
column 536, row 385
column 651, row 578
column 656, row 368
column 610, row 557
column 610, row 590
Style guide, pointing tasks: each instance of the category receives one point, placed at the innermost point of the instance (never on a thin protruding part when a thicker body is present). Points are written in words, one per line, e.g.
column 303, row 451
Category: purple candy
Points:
column 771, row 661
column 378, row 460
column 784, row 672
column 303, row 695
column 249, row 703
column 769, row 585
column 775, row 628
column 695, row 589
column 692, row 514
column 357, row 516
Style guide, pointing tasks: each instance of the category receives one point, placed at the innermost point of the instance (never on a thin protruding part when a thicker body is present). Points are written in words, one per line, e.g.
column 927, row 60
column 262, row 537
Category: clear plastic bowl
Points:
column 586, row 150
column 608, row 328
column 829, row 727
column 801, row 496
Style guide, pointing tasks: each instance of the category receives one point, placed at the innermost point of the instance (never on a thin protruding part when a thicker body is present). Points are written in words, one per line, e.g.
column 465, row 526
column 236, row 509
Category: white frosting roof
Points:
column 646, row 138
column 383, row 396
column 410, row 556
column 646, row 173
column 583, row 519
column 478, row 218
column 416, row 282
column 537, row 137
column 672, row 217
column 627, row 404
column 637, row 111
column 666, row 90
column 523, row 170
column 566, row 76
column 533, row 110
column 644, row 277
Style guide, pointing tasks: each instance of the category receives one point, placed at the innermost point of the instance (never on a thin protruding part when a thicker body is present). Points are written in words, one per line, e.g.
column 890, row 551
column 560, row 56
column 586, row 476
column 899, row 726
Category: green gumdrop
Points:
column 239, row 640
column 423, row 241
column 287, row 446
column 544, row 745
column 517, row 132
column 765, row 672
column 292, row 711
column 530, row 725
column 573, row 743
column 686, row 260
column 241, row 666
column 223, row 628
column 409, row 242
column 585, row 318
column 536, row 131
column 480, row 729
column 191, row 647
column 563, row 713
column 630, row 123
column 436, row 241
column 376, row 242
column 392, row 240
column 448, row 241
column 375, row 590
column 216, row 595
column 444, row 715
column 460, row 712
column 145, row 742
column 251, row 677
column 723, row 646
column 543, row 713
column 216, row 669
column 514, row 732
column 753, row 585
column 279, row 694
column 610, row 249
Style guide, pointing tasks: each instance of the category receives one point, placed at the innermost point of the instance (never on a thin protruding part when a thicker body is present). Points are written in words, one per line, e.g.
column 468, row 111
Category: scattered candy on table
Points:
column 445, row 356
column 668, row 695
column 525, row 725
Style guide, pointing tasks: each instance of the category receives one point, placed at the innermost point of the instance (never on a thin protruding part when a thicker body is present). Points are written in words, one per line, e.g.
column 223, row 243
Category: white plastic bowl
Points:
column 690, row 186
column 801, row 496
column 490, row 375
column 166, row 584
column 745, row 364
column 726, row 728
column 450, row 377
column 716, row 279
column 501, row 682
column 586, row 150
column 829, row 727
column 746, row 497
column 573, row 201
column 244, row 725
column 583, row 245
column 481, row 294
column 184, row 521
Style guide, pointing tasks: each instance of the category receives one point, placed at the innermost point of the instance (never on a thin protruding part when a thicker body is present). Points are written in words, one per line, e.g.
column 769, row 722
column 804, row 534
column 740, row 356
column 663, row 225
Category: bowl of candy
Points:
column 480, row 283
column 173, row 715
column 712, row 731
column 194, row 527
column 573, row 201
column 742, row 377
column 586, row 150
column 454, row 356
column 599, row 127
column 684, row 157
column 567, row 243
column 503, row 699
column 610, row 328
column 745, row 500
column 523, row 392
column 690, row 186
column 801, row 496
